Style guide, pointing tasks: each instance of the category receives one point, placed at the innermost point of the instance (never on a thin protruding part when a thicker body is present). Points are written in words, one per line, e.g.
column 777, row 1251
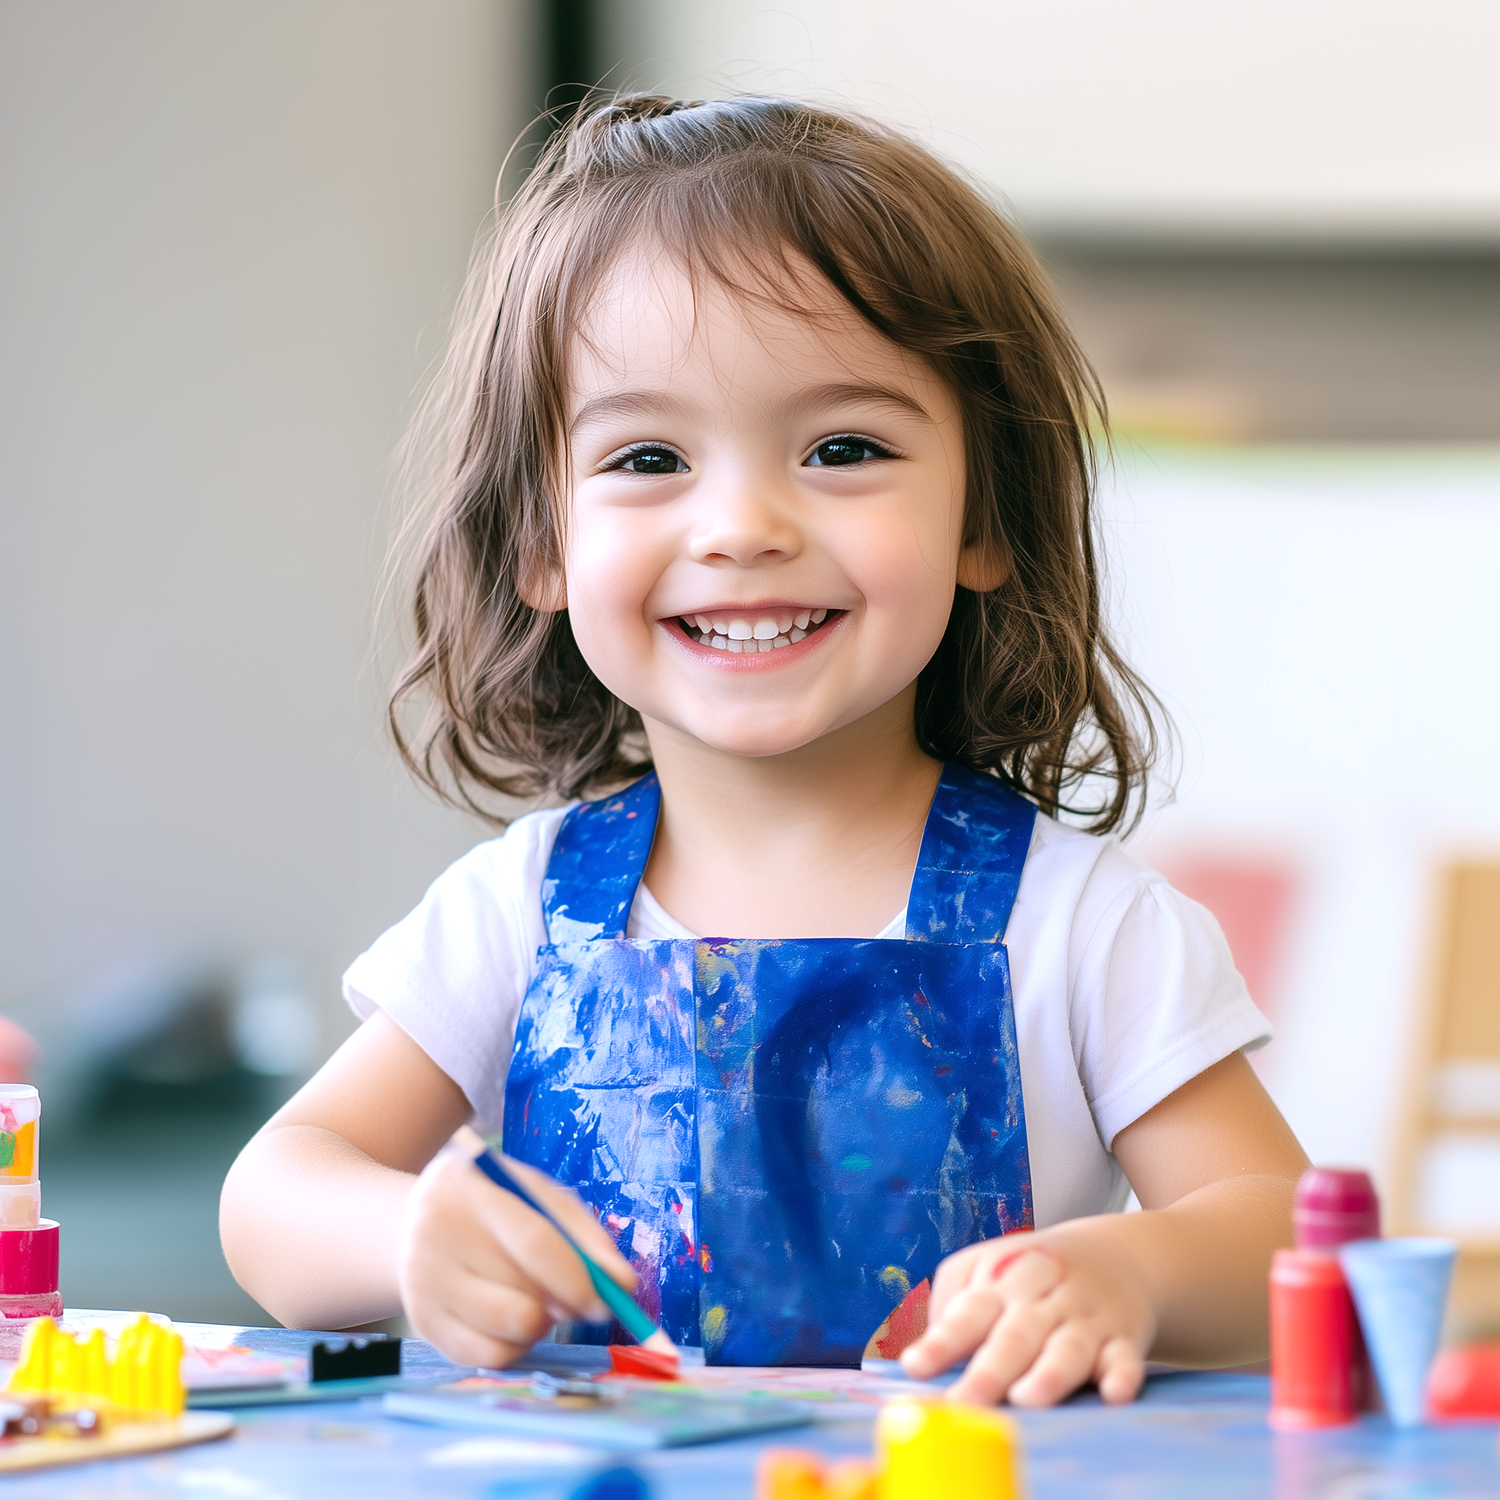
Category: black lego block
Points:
column 357, row 1359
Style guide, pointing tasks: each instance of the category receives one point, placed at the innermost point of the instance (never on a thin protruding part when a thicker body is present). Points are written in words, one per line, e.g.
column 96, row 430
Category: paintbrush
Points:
column 613, row 1295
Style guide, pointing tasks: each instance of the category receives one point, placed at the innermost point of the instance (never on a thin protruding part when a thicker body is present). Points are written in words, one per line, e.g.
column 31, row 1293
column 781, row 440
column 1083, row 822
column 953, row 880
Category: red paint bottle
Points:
column 1312, row 1336
column 1334, row 1205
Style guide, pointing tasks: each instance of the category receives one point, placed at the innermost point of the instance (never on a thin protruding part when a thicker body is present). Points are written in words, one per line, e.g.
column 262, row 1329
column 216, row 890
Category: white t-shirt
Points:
column 1124, row 989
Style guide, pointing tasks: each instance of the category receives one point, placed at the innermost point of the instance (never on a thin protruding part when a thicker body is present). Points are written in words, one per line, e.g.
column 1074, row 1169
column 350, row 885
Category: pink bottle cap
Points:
column 28, row 1260
column 1333, row 1206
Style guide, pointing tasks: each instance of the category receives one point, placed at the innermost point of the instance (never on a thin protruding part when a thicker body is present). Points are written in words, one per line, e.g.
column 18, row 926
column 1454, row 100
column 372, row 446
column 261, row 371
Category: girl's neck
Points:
column 820, row 842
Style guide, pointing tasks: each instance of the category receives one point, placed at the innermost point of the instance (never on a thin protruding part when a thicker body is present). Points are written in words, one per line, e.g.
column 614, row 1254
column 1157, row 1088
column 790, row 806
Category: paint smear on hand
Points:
column 644, row 1364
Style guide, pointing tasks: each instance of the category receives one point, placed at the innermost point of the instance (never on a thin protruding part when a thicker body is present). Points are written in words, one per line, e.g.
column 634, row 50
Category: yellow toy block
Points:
column 95, row 1361
column 33, row 1371
column 933, row 1450
column 144, row 1376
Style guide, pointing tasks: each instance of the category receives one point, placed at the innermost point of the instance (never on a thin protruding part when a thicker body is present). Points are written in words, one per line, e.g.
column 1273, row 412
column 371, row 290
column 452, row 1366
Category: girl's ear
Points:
column 983, row 566
column 544, row 588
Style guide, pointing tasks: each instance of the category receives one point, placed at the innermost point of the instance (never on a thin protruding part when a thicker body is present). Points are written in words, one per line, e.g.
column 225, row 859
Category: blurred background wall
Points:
column 230, row 237
column 229, row 240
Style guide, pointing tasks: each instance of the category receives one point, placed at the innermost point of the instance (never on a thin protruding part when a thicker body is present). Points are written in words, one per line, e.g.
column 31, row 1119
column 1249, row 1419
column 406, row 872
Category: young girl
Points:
column 765, row 521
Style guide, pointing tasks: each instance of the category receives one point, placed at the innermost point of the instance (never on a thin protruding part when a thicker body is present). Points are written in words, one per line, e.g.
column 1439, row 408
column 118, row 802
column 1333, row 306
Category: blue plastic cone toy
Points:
column 1400, row 1288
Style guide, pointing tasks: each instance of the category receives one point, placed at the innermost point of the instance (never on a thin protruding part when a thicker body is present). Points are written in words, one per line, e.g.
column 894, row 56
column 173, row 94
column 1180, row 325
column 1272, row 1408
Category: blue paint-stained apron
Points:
column 783, row 1135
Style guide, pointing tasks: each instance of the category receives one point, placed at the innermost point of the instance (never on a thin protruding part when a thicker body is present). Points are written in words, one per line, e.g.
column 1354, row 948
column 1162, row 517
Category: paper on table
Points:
column 480, row 1451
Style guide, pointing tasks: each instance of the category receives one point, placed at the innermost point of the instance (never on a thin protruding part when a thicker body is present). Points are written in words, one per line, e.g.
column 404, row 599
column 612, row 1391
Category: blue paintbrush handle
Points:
column 613, row 1295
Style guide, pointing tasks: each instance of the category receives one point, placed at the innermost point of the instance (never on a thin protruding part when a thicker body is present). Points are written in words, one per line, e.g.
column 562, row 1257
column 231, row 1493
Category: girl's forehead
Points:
column 654, row 316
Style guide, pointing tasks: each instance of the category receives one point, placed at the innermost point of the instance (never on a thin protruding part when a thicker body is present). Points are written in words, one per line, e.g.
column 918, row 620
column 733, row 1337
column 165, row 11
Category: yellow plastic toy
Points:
column 926, row 1450
column 144, row 1378
column 931, row 1450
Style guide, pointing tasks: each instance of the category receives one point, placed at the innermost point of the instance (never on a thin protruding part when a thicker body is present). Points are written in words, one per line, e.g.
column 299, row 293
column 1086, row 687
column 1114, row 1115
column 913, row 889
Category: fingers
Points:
column 512, row 1243
column 1120, row 1370
column 578, row 1219
column 481, row 1323
column 1032, row 1325
column 1010, row 1344
column 482, row 1275
column 1067, row 1359
column 989, row 1299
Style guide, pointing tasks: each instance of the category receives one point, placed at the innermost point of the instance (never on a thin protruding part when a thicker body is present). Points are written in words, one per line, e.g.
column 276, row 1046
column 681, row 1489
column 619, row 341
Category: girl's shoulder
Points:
column 505, row 870
column 1086, row 896
column 1095, row 870
column 452, row 972
column 483, row 913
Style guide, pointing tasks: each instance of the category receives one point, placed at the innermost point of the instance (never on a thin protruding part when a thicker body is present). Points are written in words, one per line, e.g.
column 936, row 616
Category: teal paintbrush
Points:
column 611, row 1293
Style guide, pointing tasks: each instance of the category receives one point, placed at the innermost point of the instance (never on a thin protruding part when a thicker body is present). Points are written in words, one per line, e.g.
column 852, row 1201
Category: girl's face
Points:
column 767, row 510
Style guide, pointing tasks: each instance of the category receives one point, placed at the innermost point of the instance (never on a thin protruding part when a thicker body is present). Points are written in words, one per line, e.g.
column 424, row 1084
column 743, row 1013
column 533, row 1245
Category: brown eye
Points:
column 839, row 452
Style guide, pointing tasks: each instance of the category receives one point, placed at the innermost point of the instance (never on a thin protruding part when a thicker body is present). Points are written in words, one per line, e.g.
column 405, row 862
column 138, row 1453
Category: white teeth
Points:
column 765, row 633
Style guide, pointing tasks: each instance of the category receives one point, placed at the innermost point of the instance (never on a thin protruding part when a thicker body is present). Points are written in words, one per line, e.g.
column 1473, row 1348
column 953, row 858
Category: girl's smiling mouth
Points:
column 757, row 630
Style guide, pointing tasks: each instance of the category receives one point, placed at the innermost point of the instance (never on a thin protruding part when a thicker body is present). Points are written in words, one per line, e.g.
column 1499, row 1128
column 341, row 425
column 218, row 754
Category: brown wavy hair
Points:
column 1025, row 683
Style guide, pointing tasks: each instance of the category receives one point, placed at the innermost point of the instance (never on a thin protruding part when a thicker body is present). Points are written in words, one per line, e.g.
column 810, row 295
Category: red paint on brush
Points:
column 644, row 1364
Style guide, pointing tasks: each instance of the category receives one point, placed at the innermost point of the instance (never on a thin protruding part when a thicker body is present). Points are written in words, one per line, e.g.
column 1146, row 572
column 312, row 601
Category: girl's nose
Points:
column 745, row 521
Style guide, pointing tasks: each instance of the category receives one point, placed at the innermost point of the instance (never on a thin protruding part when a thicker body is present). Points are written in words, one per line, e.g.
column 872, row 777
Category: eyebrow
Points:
column 651, row 403
column 854, row 393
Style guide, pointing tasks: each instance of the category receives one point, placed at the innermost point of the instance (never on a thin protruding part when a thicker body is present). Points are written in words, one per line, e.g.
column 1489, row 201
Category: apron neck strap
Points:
column 597, row 862
column 969, row 869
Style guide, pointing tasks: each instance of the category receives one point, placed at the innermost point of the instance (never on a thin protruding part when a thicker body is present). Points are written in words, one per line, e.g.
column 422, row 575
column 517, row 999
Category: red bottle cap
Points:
column 28, row 1260
column 1333, row 1206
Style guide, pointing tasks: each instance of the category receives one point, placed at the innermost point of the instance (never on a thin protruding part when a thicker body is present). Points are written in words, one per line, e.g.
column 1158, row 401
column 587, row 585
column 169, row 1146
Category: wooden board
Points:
column 125, row 1440
column 1469, row 1020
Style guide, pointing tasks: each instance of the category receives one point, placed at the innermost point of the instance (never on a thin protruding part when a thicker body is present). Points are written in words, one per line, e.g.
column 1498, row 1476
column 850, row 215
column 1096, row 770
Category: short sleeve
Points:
column 452, row 974
column 1156, row 1000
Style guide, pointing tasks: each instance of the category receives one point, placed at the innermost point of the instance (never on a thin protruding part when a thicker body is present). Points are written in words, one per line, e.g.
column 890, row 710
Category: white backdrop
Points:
column 1288, row 117
column 229, row 236
column 1323, row 627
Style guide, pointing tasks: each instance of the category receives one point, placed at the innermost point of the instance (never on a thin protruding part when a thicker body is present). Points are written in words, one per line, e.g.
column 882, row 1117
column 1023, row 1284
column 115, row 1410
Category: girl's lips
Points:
column 752, row 654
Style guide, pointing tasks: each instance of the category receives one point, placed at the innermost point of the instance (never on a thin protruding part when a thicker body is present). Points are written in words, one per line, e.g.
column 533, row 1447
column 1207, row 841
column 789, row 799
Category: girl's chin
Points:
column 751, row 736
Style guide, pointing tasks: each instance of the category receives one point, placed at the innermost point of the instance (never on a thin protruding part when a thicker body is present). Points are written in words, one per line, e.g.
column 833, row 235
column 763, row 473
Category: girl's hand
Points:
column 1038, row 1315
column 484, row 1277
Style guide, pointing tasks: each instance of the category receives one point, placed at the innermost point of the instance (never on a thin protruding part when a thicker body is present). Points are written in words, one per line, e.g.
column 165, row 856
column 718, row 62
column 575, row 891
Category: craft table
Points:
column 1190, row 1436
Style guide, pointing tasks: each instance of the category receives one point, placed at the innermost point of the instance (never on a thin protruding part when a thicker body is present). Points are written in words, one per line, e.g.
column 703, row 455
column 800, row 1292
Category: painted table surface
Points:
column 1191, row 1435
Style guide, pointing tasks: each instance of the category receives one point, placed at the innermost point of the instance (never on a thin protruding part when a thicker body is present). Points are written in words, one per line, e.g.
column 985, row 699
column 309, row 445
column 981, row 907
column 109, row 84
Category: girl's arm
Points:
column 1214, row 1166
column 341, row 1211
